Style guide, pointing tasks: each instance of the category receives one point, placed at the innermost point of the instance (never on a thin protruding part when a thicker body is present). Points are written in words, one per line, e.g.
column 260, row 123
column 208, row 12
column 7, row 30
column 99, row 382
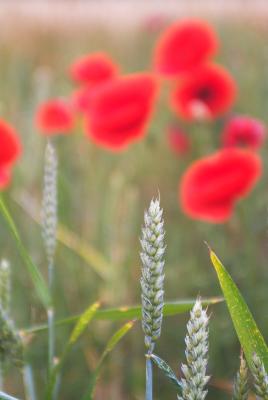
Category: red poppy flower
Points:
column 244, row 131
column 184, row 46
column 55, row 117
column 93, row 69
column 10, row 150
column 120, row 110
column 5, row 177
column 10, row 146
column 212, row 185
column 81, row 99
column 207, row 93
column 178, row 141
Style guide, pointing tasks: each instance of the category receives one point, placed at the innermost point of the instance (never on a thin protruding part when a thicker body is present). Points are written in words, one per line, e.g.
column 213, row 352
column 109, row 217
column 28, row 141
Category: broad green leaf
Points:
column 246, row 328
column 77, row 331
column 37, row 278
column 71, row 240
column 109, row 347
column 132, row 312
column 166, row 369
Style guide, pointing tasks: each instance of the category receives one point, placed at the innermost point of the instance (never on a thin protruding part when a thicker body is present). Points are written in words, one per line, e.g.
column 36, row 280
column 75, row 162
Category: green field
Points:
column 102, row 197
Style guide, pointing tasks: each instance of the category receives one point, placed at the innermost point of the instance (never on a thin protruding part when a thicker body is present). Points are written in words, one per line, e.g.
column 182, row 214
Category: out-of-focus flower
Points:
column 81, row 99
column 244, row 131
column 93, row 69
column 211, row 186
column 178, row 141
column 10, row 150
column 184, row 46
column 55, row 117
column 5, row 177
column 120, row 110
column 205, row 94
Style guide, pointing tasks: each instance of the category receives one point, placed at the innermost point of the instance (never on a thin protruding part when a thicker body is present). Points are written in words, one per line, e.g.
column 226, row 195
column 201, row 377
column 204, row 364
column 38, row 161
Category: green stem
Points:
column 51, row 320
column 29, row 382
column 149, row 378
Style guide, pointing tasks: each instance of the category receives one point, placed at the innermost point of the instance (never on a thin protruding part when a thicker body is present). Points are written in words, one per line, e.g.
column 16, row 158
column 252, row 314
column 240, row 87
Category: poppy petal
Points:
column 120, row 110
column 211, row 186
column 207, row 93
column 5, row 177
column 10, row 145
column 93, row 69
column 184, row 46
column 55, row 117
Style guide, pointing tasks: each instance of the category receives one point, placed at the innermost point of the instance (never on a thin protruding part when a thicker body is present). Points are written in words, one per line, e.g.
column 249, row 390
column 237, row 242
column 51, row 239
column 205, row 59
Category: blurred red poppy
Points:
column 55, row 117
column 244, row 131
column 10, row 146
column 206, row 94
column 5, row 177
column 81, row 99
column 120, row 110
column 10, row 150
column 93, row 69
column 184, row 46
column 211, row 186
column 178, row 141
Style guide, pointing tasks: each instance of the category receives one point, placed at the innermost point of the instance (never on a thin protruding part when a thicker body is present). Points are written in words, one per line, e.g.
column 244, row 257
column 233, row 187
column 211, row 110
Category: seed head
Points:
column 152, row 280
column 260, row 377
column 195, row 378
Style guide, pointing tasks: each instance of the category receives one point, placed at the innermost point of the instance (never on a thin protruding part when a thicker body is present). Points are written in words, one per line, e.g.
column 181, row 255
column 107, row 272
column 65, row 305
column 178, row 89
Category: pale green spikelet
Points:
column 11, row 346
column 241, row 388
column 49, row 206
column 195, row 378
column 5, row 285
column 260, row 378
column 152, row 293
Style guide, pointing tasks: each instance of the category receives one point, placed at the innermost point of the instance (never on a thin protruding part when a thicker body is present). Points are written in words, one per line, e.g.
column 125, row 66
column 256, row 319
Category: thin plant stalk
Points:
column 149, row 378
column 51, row 319
column 28, row 381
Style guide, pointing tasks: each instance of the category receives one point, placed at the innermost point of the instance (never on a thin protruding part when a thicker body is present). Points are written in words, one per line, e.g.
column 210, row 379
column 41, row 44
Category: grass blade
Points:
column 82, row 323
column 132, row 312
column 115, row 339
column 37, row 278
column 246, row 328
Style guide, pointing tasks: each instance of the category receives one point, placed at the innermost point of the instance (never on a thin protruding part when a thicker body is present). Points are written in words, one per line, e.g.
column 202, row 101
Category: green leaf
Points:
column 246, row 328
column 109, row 347
column 77, row 331
column 132, row 312
column 83, row 322
column 166, row 369
column 37, row 278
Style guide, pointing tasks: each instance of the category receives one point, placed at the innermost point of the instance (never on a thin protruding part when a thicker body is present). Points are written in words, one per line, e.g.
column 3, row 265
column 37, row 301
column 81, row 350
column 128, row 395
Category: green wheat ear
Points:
column 195, row 378
column 152, row 293
column 241, row 387
column 260, row 377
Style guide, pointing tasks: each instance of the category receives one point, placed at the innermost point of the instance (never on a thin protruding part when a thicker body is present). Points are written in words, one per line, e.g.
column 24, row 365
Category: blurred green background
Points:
column 102, row 197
